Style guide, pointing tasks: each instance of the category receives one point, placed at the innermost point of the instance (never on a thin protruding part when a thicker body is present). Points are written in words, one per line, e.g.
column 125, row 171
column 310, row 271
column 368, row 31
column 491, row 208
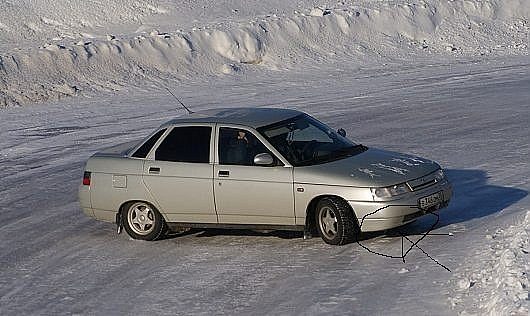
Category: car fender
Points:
column 305, row 193
column 116, row 181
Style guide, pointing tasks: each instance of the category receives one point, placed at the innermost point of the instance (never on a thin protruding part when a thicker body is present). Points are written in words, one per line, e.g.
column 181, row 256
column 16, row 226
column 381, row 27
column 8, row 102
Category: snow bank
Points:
column 26, row 22
column 354, row 33
column 495, row 280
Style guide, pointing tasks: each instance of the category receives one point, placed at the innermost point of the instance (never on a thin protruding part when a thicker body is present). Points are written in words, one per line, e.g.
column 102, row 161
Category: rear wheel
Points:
column 142, row 221
column 335, row 221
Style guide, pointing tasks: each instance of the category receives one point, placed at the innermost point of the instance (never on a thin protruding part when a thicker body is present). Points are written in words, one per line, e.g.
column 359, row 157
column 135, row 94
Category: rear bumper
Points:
column 374, row 216
column 84, row 200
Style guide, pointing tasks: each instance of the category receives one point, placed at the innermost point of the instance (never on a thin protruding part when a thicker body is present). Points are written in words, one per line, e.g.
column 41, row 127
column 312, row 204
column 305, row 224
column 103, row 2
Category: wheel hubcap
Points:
column 328, row 222
column 141, row 218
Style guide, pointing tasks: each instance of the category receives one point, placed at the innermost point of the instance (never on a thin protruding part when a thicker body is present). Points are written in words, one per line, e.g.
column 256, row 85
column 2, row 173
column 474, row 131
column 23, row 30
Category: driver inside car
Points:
column 239, row 149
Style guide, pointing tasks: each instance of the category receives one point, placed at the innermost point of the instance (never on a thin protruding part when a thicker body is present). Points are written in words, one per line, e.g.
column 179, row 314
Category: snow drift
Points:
column 360, row 33
column 495, row 281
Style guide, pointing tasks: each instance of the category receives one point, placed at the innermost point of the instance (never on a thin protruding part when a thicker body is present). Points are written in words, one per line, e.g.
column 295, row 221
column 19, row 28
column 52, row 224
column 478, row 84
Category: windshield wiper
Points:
column 349, row 151
column 335, row 155
column 360, row 147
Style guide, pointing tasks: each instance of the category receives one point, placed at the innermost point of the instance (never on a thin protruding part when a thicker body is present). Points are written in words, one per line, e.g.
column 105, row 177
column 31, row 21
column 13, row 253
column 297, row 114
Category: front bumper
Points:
column 374, row 216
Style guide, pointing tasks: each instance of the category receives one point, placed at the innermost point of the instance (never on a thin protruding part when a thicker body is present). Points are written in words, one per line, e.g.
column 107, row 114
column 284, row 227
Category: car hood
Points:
column 371, row 168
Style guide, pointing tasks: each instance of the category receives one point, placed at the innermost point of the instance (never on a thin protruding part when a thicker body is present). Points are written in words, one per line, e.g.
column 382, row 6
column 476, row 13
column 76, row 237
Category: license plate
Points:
column 431, row 200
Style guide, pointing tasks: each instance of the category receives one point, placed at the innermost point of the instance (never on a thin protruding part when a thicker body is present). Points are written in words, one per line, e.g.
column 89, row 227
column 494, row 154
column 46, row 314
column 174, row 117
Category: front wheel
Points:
column 335, row 221
column 142, row 221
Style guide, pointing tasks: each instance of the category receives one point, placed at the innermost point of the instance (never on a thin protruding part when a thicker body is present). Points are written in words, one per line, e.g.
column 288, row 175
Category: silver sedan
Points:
column 258, row 168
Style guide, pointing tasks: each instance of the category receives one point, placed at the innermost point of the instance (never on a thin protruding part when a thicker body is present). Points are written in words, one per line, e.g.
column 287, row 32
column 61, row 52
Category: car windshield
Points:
column 305, row 141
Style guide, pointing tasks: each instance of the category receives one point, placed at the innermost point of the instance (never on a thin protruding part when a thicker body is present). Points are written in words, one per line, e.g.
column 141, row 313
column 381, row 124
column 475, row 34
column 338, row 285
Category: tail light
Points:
column 86, row 178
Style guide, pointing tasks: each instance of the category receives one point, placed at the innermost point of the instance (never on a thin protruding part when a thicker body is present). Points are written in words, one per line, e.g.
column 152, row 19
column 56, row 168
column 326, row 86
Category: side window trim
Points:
column 151, row 154
column 256, row 134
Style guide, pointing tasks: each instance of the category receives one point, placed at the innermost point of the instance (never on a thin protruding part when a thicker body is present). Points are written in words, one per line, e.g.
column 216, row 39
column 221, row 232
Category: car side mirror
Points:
column 263, row 159
column 341, row 132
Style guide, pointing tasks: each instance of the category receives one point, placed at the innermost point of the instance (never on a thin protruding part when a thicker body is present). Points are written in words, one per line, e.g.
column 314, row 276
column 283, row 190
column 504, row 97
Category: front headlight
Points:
column 439, row 176
column 391, row 191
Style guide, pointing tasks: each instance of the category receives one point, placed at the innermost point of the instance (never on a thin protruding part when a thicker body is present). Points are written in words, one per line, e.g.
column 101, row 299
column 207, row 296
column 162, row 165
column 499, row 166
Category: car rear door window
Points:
column 146, row 147
column 186, row 144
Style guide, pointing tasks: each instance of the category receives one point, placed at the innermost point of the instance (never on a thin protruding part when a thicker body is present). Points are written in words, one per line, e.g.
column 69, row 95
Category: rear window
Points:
column 186, row 144
column 146, row 147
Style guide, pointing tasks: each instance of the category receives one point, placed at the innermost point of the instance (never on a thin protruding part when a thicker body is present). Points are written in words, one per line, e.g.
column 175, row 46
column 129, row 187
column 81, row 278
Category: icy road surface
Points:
column 471, row 117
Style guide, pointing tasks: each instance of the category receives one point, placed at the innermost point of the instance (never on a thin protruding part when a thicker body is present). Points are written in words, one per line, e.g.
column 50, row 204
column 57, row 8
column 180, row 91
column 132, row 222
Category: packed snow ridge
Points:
column 359, row 32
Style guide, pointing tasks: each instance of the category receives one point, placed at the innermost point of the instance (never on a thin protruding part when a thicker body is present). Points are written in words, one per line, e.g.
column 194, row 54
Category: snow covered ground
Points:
column 387, row 78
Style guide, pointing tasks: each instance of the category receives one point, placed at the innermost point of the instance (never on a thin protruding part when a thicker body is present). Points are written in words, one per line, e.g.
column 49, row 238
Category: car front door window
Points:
column 239, row 147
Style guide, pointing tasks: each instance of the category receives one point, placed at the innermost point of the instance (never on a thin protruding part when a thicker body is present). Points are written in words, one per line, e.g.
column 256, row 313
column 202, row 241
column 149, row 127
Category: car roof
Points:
column 252, row 117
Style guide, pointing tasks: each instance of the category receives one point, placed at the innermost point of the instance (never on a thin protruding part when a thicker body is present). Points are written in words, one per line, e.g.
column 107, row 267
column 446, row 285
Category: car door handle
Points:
column 224, row 173
column 154, row 170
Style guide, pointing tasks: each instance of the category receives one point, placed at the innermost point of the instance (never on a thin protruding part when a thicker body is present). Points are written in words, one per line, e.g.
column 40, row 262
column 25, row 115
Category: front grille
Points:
column 422, row 182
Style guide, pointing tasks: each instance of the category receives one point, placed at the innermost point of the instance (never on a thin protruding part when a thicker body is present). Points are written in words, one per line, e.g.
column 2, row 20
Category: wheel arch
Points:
column 126, row 204
column 310, row 219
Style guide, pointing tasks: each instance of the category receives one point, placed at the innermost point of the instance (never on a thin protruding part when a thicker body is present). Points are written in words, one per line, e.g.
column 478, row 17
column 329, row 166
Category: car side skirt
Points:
column 175, row 225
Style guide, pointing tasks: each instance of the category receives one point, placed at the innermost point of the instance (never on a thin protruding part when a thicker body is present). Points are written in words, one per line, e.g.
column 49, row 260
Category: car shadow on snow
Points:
column 472, row 198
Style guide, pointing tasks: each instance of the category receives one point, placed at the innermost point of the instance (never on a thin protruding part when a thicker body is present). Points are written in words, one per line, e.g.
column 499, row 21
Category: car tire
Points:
column 141, row 220
column 335, row 221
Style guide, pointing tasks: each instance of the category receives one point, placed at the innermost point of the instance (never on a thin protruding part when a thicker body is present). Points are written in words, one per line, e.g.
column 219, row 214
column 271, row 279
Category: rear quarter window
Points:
column 146, row 147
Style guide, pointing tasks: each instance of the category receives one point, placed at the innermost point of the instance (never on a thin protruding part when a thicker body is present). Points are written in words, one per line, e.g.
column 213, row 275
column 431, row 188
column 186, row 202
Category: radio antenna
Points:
column 189, row 111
